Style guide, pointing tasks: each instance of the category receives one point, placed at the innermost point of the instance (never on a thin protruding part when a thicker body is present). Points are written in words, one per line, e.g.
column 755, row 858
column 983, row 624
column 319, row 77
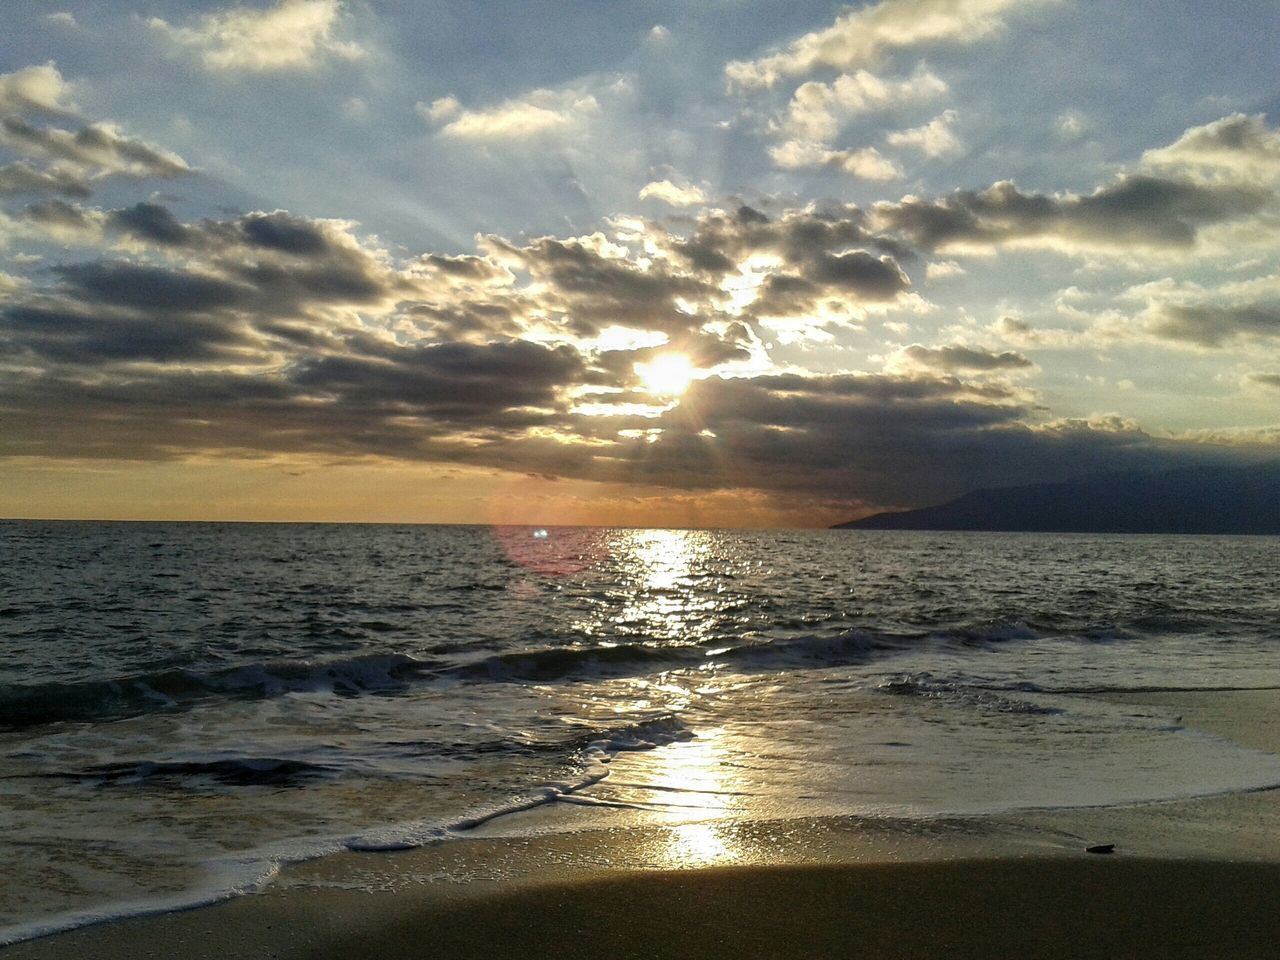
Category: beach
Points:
column 1188, row 878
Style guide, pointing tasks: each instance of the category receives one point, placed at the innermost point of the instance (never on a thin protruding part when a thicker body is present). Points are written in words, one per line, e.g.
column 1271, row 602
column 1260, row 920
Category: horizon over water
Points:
column 187, row 705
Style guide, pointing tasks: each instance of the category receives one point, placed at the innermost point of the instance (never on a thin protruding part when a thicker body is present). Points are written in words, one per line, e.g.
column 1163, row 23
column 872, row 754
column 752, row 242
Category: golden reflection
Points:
column 700, row 845
column 690, row 783
column 664, row 601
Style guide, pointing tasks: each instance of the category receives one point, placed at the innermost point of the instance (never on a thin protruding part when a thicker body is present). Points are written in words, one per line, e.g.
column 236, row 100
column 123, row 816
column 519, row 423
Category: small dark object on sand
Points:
column 1101, row 848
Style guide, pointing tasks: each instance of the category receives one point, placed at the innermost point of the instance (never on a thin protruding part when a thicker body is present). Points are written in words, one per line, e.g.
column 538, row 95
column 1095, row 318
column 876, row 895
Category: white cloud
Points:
column 538, row 112
column 40, row 87
column 659, row 34
column 1070, row 124
column 292, row 35
column 867, row 163
column 1239, row 145
column 62, row 19
column 794, row 154
column 817, row 110
column 942, row 269
column 674, row 194
column 934, row 139
column 439, row 110
column 859, row 37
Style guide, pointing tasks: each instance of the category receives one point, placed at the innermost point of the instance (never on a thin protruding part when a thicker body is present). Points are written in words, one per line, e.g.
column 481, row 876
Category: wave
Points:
column 239, row 874
column 593, row 758
column 229, row 771
column 985, row 698
column 29, row 705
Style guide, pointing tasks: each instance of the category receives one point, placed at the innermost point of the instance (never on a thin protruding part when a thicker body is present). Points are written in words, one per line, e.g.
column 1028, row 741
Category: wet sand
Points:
column 1196, row 878
column 1025, row 908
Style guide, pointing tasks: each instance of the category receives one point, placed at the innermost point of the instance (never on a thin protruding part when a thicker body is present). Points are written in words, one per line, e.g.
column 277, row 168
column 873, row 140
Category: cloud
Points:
column 954, row 358
column 66, row 222
column 1134, row 212
column 100, row 149
column 440, row 110
column 935, row 139
column 674, row 194
column 1070, row 125
column 34, row 88
column 21, row 177
column 845, row 279
column 1239, row 145
column 861, row 36
column 538, row 112
column 866, row 163
column 62, row 19
column 74, row 159
column 943, row 269
column 272, row 333
column 817, row 110
column 1266, row 379
column 292, row 35
column 1214, row 324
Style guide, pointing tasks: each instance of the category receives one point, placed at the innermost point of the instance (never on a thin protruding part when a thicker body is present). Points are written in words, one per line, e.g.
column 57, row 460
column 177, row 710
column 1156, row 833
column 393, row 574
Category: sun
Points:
column 667, row 375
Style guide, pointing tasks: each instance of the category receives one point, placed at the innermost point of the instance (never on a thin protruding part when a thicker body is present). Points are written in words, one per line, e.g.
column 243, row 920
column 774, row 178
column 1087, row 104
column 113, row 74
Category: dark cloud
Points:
column 151, row 222
column 1215, row 324
column 593, row 290
column 66, row 336
column 22, row 177
column 468, row 268
column 460, row 379
column 1266, row 379
column 288, row 234
column 156, row 289
column 57, row 214
column 271, row 333
column 869, row 277
column 890, row 439
column 720, row 240
column 958, row 359
column 1136, row 210
column 97, row 148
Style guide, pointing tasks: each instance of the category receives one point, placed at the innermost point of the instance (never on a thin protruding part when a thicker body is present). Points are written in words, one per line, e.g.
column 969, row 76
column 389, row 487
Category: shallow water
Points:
column 184, row 706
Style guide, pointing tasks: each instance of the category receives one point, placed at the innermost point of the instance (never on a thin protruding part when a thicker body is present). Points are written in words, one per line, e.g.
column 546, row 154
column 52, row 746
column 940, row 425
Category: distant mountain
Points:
column 1187, row 500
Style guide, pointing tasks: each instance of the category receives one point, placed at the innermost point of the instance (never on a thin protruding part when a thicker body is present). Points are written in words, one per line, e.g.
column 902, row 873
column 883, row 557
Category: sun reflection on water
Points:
column 664, row 600
column 700, row 845
column 687, row 789
column 695, row 788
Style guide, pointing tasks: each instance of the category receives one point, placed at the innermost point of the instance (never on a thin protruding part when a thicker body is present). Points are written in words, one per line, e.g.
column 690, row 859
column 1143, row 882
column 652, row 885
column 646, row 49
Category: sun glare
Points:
column 668, row 375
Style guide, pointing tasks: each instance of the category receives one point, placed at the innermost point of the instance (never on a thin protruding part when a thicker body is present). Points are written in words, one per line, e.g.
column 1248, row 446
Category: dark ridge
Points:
column 1203, row 500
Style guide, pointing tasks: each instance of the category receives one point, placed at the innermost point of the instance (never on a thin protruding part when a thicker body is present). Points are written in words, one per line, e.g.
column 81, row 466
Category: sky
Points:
column 726, row 263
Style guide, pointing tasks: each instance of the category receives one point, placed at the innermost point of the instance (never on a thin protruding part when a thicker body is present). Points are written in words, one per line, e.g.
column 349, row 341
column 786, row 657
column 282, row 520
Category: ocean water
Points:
column 185, row 707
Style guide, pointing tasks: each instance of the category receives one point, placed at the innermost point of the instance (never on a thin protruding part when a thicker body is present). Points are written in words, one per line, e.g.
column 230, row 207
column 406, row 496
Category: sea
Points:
column 187, row 707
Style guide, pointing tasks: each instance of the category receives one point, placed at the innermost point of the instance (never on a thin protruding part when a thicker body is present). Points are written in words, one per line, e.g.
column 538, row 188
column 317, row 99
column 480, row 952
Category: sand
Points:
column 1198, row 878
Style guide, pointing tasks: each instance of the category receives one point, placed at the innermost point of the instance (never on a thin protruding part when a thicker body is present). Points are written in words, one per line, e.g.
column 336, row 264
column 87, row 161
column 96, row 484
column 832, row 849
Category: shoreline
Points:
column 769, row 887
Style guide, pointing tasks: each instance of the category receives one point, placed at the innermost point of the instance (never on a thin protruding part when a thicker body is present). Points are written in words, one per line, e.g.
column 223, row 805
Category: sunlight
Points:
column 660, row 564
column 699, row 789
column 668, row 375
column 699, row 845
